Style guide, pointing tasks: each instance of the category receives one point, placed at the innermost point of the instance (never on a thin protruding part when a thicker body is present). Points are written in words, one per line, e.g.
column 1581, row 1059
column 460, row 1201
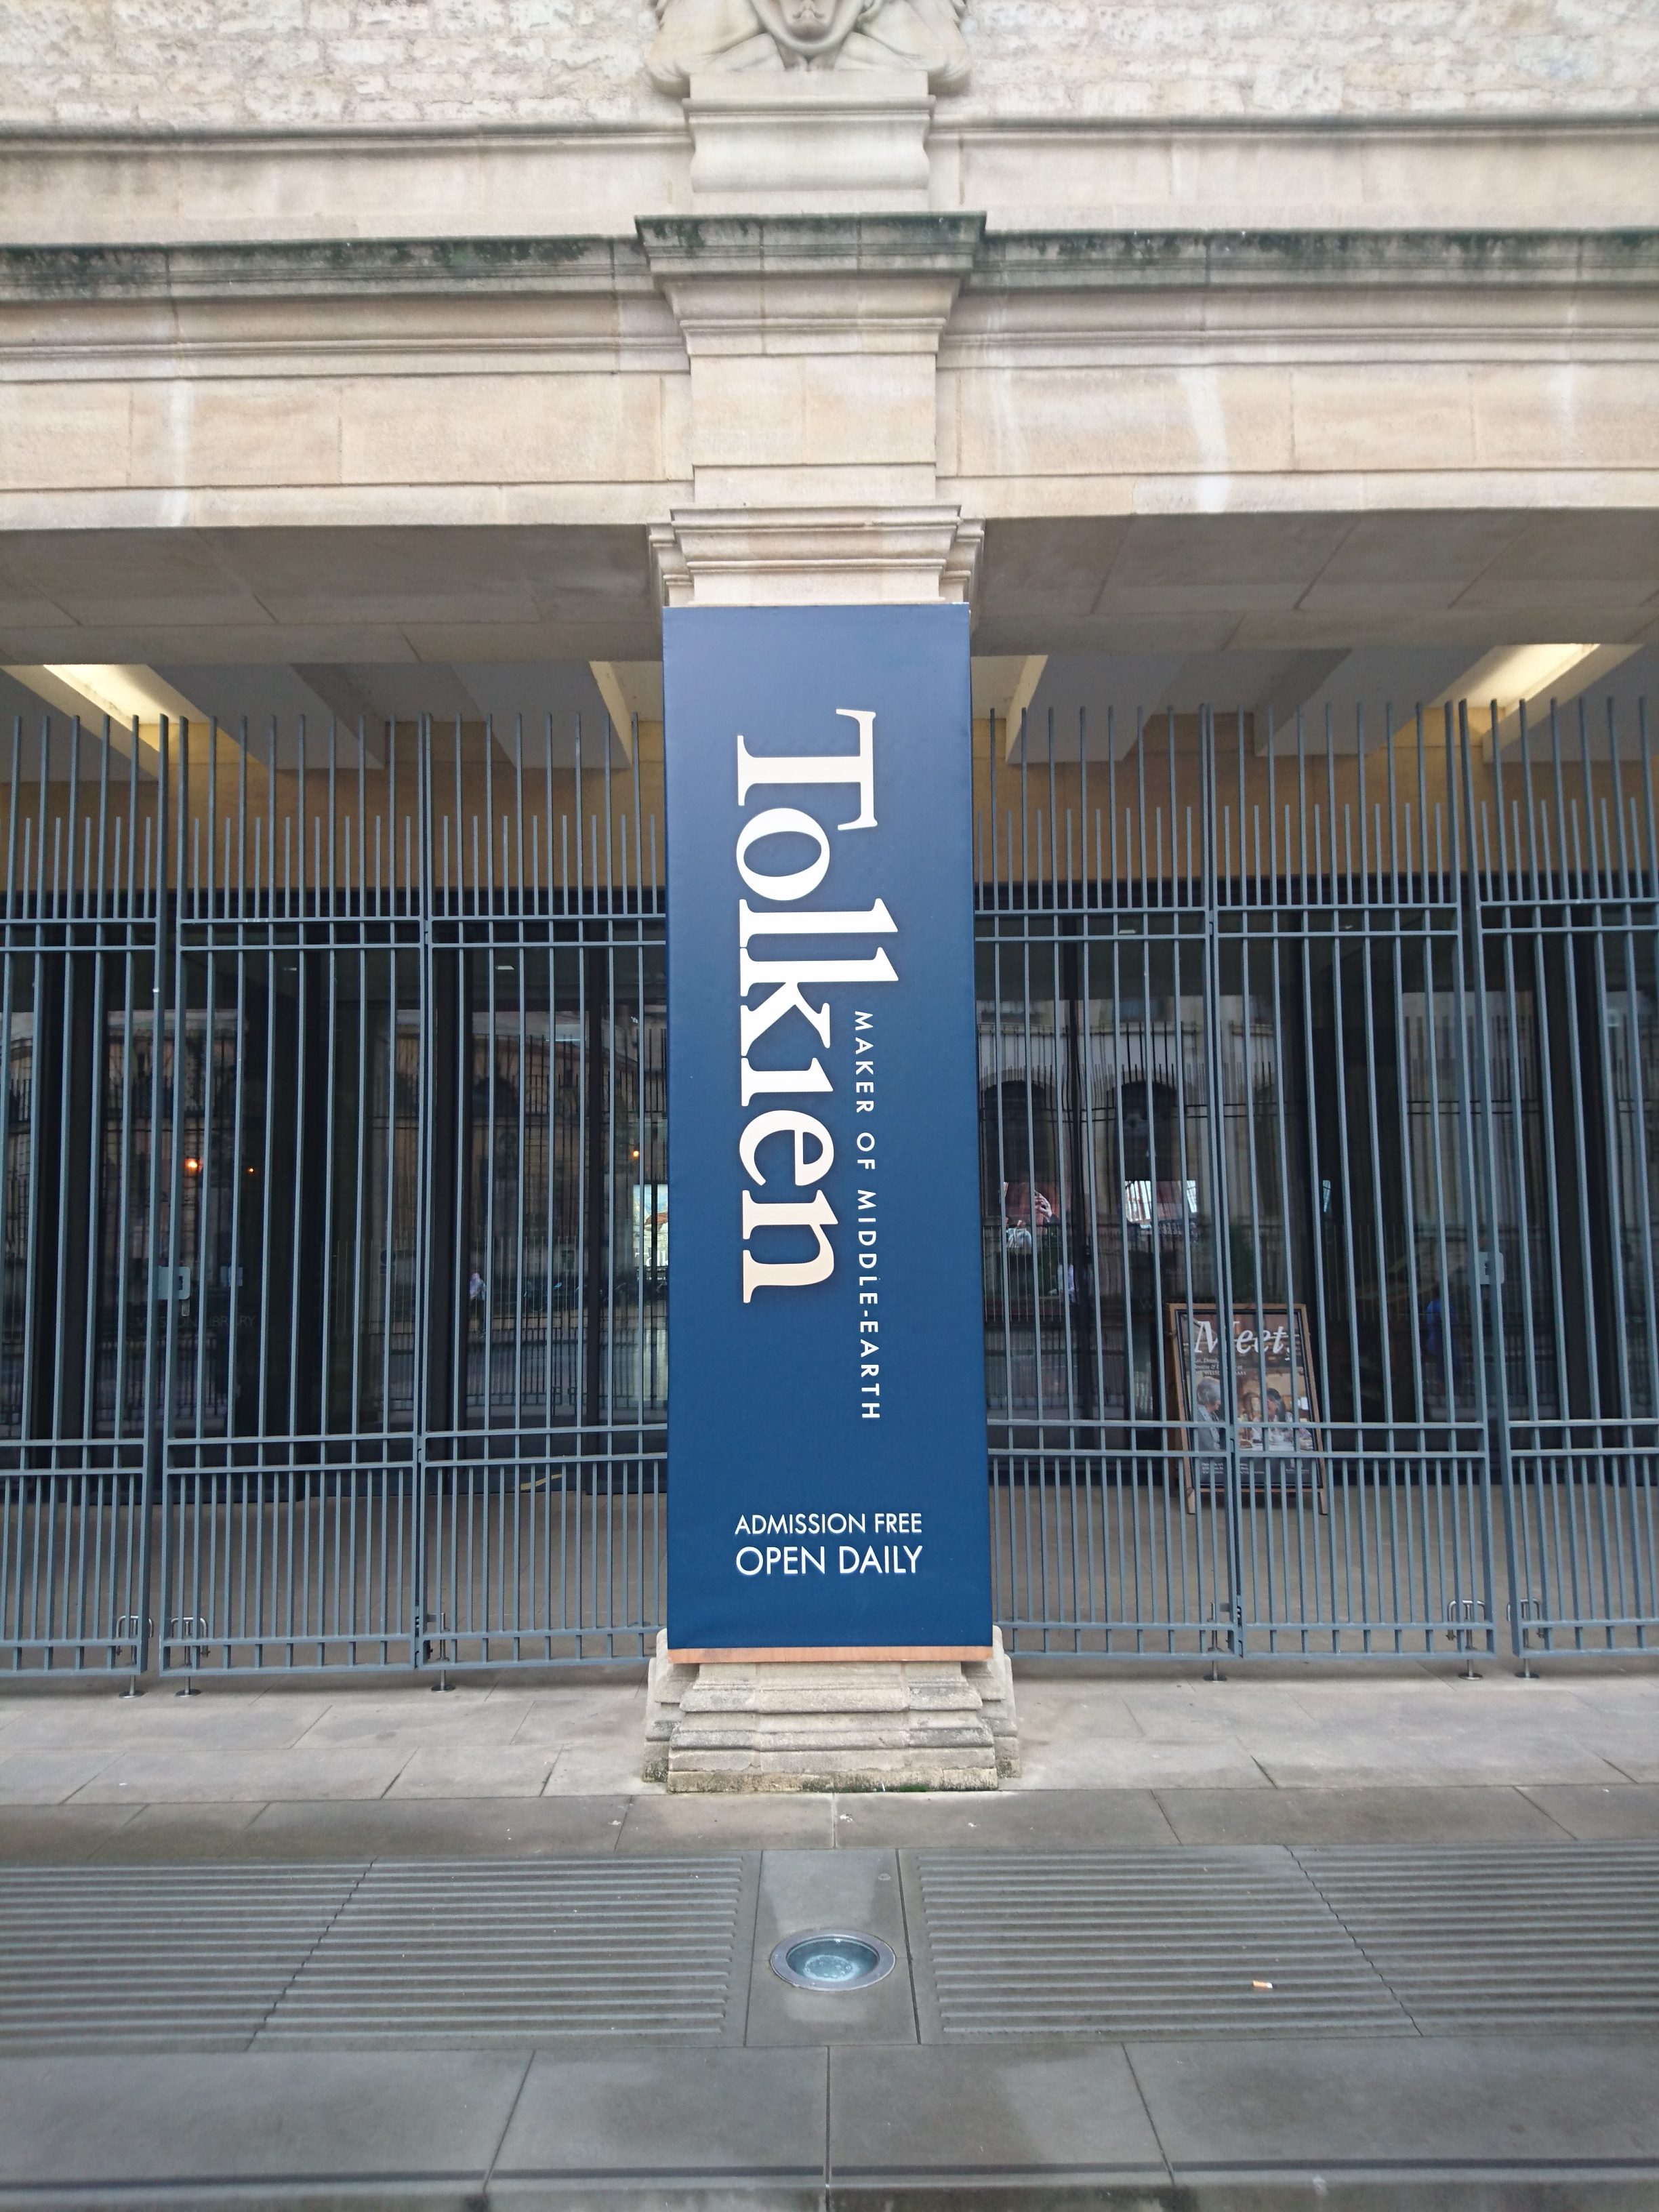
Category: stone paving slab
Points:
column 1249, row 2124
column 1115, row 1758
column 474, row 1719
column 806, row 1891
column 50, row 1775
column 1047, row 1819
column 662, row 1823
column 697, row 2118
column 1058, row 2113
column 1410, row 1728
column 498, row 1827
column 1602, row 1814
column 1522, row 2105
column 151, row 1834
column 1416, row 1813
column 470, row 1770
column 92, row 2131
column 155, row 1775
column 439, row 1828
column 52, row 1835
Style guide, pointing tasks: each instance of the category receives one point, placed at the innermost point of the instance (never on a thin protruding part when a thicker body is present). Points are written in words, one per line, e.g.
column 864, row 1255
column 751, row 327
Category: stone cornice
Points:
column 119, row 142
column 956, row 246
column 337, row 267
column 1096, row 260
column 965, row 120
column 586, row 176
column 812, row 245
column 855, row 556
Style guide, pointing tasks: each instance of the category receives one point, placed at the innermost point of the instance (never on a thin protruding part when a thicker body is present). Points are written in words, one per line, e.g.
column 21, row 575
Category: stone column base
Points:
column 843, row 1724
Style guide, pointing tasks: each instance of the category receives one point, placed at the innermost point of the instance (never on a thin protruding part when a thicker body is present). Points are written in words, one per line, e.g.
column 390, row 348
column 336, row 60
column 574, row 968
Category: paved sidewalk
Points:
column 1542, row 2092
column 1230, row 2031
column 1247, row 2124
column 527, row 1764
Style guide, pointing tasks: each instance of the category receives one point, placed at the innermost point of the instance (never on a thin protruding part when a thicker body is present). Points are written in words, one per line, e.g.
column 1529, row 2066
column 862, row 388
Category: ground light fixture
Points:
column 831, row 1958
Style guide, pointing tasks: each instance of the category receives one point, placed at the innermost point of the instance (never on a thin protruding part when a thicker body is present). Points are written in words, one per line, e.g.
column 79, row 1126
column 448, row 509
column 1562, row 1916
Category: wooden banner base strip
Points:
column 831, row 1655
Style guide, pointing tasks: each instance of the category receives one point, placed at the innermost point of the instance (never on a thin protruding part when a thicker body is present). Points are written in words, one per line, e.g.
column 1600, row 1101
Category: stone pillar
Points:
column 812, row 331
column 814, row 342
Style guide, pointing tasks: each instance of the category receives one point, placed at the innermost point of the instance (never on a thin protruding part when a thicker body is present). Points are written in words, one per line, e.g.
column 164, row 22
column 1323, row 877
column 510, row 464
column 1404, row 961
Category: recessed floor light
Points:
column 832, row 1960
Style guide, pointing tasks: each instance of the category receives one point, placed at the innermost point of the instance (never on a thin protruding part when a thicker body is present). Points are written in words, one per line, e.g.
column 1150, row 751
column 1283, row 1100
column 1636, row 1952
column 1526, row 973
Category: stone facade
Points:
column 278, row 63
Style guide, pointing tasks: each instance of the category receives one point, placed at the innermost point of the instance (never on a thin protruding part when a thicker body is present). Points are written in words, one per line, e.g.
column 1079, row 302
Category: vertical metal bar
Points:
column 155, row 1483
column 1489, row 1312
column 421, row 890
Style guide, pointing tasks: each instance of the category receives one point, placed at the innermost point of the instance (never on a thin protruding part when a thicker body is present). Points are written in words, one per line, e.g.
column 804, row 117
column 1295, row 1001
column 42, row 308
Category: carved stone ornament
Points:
column 722, row 36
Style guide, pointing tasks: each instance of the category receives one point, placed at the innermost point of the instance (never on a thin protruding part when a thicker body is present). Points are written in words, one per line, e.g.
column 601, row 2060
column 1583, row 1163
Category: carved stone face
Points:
column 810, row 29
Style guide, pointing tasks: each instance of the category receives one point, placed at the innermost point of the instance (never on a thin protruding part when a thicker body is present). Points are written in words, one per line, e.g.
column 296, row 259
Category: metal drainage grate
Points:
column 144, row 1958
column 1502, row 1938
column 518, row 1951
column 1135, row 1943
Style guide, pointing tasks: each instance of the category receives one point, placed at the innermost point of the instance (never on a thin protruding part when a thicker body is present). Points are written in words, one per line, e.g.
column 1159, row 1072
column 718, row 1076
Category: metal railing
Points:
column 1315, row 1075
column 1564, row 888
column 1319, row 1183
column 363, row 1363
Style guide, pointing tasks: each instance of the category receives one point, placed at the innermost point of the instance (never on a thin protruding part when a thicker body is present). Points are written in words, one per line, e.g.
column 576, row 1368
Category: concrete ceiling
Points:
column 1091, row 696
column 1142, row 584
column 550, row 699
column 1264, row 613
column 1187, row 583
column 319, row 596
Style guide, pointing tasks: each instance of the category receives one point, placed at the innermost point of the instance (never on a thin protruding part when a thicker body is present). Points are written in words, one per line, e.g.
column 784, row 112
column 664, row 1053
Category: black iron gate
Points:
column 1562, row 887
column 1319, row 1174
column 361, row 1363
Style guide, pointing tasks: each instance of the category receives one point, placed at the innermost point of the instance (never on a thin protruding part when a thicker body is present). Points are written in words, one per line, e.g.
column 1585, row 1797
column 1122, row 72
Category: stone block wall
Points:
column 276, row 64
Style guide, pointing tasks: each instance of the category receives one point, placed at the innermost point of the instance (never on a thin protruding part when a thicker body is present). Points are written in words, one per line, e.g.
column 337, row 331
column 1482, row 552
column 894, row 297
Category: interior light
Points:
column 127, row 692
column 128, row 695
column 1512, row 674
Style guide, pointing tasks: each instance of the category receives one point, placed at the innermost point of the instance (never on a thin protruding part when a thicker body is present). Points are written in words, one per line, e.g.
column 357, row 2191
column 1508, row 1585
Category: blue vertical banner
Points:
column 826, row 1396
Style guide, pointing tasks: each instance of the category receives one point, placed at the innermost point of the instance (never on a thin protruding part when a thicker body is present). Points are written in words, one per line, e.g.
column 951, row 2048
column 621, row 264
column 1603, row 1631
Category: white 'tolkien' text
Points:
column 767, row 965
